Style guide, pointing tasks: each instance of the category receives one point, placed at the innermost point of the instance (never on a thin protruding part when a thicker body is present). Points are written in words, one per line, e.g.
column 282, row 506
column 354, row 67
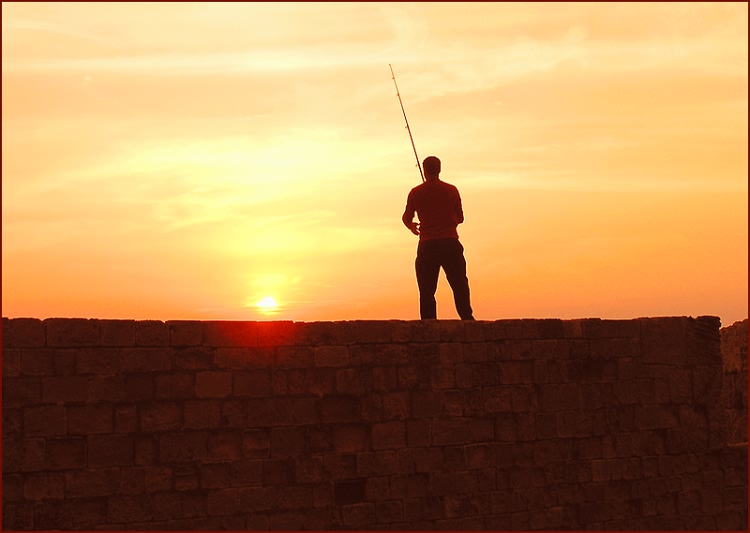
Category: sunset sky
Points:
column 188, row 161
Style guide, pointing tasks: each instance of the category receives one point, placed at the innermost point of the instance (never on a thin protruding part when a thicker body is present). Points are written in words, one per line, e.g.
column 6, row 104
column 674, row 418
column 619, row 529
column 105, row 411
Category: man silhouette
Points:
column 438, row 206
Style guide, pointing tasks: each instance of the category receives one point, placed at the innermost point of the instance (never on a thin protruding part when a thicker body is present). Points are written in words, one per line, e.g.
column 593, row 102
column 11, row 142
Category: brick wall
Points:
column 733, row 402
column 512, row 424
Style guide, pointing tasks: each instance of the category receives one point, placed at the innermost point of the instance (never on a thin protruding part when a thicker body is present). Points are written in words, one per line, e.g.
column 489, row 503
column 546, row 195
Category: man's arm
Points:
column 408, row 217
column 459, row 212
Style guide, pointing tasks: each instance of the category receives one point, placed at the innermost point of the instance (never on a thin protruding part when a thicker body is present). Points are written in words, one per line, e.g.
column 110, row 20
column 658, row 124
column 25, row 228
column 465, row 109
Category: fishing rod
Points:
column 419, row 166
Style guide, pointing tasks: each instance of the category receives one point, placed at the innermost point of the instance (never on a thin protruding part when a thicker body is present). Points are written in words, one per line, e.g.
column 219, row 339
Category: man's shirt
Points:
column 438, row 206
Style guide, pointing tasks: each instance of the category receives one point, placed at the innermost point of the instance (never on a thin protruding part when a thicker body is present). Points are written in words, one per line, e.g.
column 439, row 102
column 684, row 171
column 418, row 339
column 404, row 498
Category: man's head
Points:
column 431, row 167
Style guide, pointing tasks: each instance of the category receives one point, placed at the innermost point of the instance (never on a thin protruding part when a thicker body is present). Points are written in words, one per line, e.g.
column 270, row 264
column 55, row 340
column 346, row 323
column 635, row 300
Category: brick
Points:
column 403, row 331
column 389, row 435
column 144, row 447
column 248, row 473
column 308, row 469
column 317, row 381
column 132, row 481
column 174, row 386
column 339, row 409
column 151, row 333
column 600, row 348
column 370, row 331
column 126, row 419
column 233, row 414
column 340, row 466
column 223, row 502
column 252, row 383
column 430, row 460
column 185, row 332
column 269, row 412
column 166, row 506
column 217, row 475
column 418, row 433
column 183, row 447
column 559, row 397
column 496, row 399
column 144, row 359
column 377, row 489
column 200, row 414
column 515, row 372
column 92, row 483
column 580, row 349
column 99, row 361
column 213, row 384
column 11, row 423
column 25, row 455
column 160, row 416
column 358, row 516
column 317, row 333
column 129, row 509
column 384, row 379
column 117, row 332
column 229, row 333
column 351, row 437
column 110, row 450
column 11, row 361
column 65, row 453
column 276, row 333
column 331, row 356
column 139, row 387
column 296, row 497
column 287, row 442
column 44, row 485
column 477, row 456
column 18, row 516
column 550, row 328
column 33, row 362
column 89, row 419
column 451, row 353
column 452, row 483
column 62, row 332
column 630, row 348
column 237, row 358
column 23, row 333
column 294, row 357
column 225, row 445
column 65, row 389
column 278, row 472
column 474, row 375
column 186, row 477
column 377, row 463
column 44, row 421
column 477, row 352
column 426, row 404
column 12, row 487
column 195, row 358
column 664, row 341
column 107, row 389
column 573, row 329
column 256, row 443
column 354, row 380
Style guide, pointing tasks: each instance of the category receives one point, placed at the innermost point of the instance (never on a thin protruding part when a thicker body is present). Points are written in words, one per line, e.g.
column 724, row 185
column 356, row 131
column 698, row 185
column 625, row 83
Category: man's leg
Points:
column 428, row 270
column 454, row 264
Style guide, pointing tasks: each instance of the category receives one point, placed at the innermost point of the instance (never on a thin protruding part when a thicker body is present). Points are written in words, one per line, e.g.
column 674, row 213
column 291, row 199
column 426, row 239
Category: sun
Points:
column 267, row 305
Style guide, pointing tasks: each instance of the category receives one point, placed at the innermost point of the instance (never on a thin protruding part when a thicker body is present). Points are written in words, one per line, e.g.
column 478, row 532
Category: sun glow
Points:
column 267, row 305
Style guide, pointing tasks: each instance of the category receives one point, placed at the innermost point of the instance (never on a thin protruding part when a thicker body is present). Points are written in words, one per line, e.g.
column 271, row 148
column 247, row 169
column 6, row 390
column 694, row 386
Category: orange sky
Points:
column 186, row 161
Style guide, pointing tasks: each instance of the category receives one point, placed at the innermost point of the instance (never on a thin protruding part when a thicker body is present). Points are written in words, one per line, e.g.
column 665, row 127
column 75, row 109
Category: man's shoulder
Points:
column 448, row 186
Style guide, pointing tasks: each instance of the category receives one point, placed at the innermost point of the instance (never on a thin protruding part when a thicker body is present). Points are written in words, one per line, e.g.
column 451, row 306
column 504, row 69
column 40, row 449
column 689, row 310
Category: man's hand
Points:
column 414, row 228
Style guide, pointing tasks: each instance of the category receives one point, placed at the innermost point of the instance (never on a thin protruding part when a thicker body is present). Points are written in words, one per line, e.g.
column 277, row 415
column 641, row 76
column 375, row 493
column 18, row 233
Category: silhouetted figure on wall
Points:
column 438, row 206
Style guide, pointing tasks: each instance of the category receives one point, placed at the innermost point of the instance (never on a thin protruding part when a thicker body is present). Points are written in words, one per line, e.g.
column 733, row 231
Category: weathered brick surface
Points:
column 510, row 424
column 731, row 413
